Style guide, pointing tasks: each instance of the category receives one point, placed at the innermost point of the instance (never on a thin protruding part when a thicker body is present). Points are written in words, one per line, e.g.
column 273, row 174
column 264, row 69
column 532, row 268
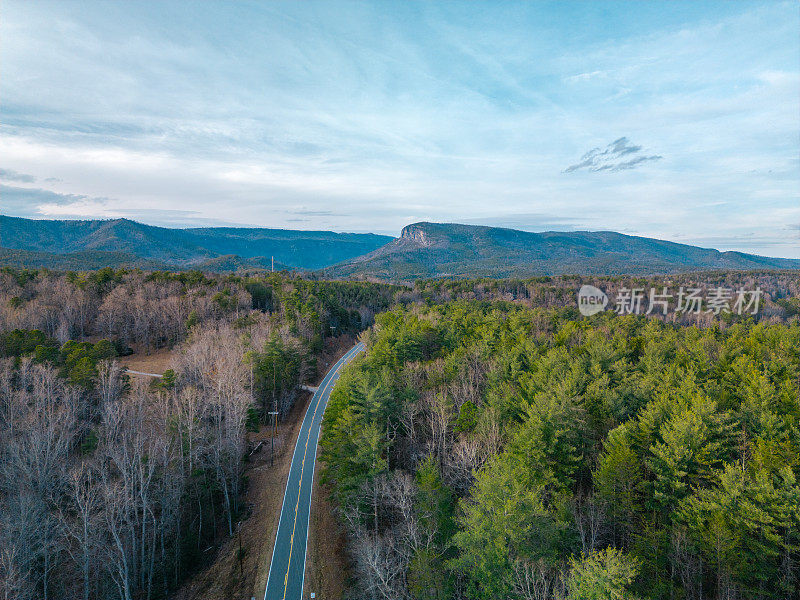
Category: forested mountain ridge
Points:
column 424, row 250
column 486, row 450
column 429, row 250
column 90, row 260
column 149, row 246
column 80, row 260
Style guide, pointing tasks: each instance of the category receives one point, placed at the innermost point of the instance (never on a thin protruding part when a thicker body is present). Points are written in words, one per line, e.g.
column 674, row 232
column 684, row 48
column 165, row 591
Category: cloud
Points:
column 619, row 155
column 11, row 175
column 528, row 222
column 587, row 76
column 318, row 213
column 37, row 203
column 28, row 202
column 365, row 119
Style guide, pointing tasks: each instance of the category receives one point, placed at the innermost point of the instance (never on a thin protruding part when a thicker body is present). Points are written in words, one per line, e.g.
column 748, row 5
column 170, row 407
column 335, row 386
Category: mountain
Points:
column 424, row 250
column 123, row 242
column 87, row 260
column 427, row 250
column 82, row 260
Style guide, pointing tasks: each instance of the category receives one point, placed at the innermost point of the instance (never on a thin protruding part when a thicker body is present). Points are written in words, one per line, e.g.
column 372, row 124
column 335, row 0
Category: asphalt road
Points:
column 288, row 565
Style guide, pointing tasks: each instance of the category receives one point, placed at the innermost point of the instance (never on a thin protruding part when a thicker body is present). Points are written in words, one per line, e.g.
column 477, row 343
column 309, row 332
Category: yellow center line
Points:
column 300, row 485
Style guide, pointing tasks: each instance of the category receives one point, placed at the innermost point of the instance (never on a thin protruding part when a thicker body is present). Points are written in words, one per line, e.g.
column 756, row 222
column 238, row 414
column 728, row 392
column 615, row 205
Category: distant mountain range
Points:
column 118, row 242
column 424, row 250
column 428, row 250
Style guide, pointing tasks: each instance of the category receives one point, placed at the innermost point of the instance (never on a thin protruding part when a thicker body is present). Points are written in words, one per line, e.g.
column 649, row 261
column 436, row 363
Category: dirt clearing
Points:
column 155, row 362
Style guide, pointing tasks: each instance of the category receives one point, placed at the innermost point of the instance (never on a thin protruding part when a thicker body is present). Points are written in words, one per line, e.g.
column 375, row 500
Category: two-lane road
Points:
column 288, row 565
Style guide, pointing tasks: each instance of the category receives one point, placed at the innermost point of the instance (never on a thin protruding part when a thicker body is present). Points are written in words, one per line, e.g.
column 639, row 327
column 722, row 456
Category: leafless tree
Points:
column 589, row 516
column 382, row 569
column 31, row 472
column 536, row 580
column 685, row 564
column 81, row 519
column 463, row 460
column 110, row 381
column 439, row 411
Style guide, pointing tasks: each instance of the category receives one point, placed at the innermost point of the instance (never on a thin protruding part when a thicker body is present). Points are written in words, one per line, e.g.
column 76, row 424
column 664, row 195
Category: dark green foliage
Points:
column 169, row 379
column 78, row 360
column 790, row 305
column 253, row 422
column 261, row 295
column 317, row 310
column 22, row 276
column 679, row 445
column 192, row 320
column 82, row 373
column 467, row 417
column 602, row 575
column 103, row 349
column 20, row 342
column 46, row 353
column 356, row 421
column 224, row 300
column 89, row 443
column 278, row 370
column 191, row 278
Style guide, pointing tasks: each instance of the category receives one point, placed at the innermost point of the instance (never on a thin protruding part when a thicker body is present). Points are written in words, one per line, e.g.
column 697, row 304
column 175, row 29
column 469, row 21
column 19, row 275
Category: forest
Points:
column 492, row 443
column 113, row 486
column 487, row 449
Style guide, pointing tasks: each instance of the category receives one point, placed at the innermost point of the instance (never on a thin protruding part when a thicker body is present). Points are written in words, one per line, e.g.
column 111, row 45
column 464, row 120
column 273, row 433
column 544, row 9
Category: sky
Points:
column 674, row 120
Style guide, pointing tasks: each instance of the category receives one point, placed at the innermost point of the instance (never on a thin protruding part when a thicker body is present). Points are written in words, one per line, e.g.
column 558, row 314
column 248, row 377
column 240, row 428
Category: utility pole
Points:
column 274, row 414
column 241, row 569
column 272, row 434
column 273, row 264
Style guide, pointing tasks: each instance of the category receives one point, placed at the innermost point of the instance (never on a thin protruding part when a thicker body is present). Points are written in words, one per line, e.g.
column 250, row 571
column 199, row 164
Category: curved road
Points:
column 288, row 565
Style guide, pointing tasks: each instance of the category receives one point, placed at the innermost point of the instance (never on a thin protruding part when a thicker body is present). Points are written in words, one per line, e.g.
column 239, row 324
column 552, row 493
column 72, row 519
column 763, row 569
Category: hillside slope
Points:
column 88, row 260
column 427, row 250
column 121, row 241
column 81, row 260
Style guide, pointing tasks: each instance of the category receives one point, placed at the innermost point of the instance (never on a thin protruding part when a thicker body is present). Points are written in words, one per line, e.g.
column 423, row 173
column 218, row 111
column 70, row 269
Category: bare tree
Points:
column 110, row 381
column 382, row 569
column 589, row 516
column 439, row 410
column 463, row 460
column 536, row 580
column 81, row 521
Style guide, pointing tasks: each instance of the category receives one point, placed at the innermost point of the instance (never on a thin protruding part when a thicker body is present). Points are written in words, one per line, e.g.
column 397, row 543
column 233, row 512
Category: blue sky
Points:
column 676, row 120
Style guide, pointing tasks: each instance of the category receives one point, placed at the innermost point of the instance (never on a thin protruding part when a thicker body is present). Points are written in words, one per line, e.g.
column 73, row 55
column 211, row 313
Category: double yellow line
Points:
column 302, row 472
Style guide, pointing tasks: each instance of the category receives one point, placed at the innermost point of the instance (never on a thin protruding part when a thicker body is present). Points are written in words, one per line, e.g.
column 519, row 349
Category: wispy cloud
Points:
column 318, row 213
column 11, row 175
column 366, row 116
column 37, row 203
column 619, row 155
